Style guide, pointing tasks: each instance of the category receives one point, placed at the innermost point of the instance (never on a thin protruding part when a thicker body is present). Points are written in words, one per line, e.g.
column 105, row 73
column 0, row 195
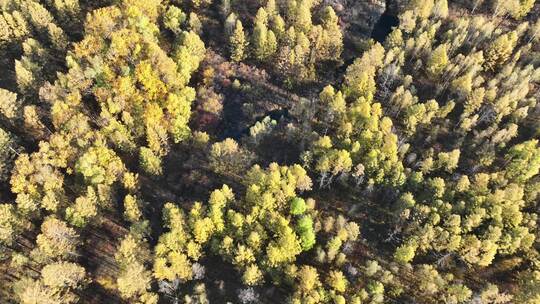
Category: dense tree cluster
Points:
column 288, row 33
column 437, row 119
column 75, row 173
column 262, row 235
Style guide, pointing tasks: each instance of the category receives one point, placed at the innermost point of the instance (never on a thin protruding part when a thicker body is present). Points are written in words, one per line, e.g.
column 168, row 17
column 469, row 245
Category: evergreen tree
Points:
column 437, row 61
column 238, row 43
column 500, row 50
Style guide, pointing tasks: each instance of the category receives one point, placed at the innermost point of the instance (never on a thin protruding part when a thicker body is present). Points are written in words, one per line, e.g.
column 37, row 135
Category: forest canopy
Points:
column 269, row 151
